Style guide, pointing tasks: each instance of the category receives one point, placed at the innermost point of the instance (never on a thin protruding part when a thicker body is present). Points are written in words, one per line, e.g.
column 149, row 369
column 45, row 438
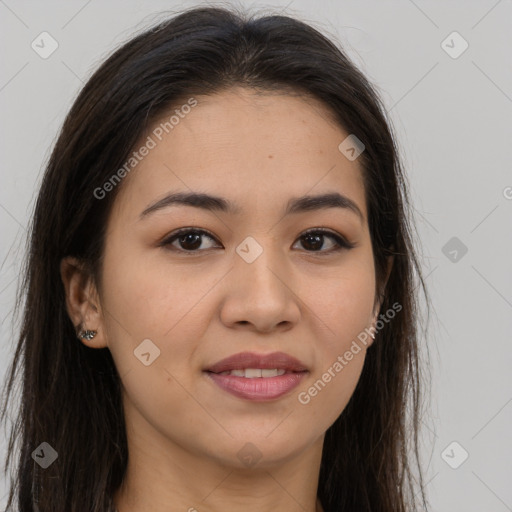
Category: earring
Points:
column 87, row 335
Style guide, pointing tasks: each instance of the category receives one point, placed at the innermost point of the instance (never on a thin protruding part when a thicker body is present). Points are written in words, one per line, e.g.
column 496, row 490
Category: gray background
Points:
column 452, row 117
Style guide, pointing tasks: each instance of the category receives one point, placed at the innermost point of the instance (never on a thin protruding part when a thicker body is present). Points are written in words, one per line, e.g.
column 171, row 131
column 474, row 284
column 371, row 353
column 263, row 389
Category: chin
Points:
column 261, row 451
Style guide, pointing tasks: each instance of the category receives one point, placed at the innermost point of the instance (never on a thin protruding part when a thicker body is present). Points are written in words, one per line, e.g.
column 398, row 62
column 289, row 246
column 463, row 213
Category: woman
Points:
column 220, row 293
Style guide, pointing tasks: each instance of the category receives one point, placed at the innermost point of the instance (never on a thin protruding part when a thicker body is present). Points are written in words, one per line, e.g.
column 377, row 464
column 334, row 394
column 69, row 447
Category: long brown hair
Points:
column 71, row 395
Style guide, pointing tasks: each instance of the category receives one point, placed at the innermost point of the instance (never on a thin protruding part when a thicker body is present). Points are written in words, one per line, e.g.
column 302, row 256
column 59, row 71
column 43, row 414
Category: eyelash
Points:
column 341, row 243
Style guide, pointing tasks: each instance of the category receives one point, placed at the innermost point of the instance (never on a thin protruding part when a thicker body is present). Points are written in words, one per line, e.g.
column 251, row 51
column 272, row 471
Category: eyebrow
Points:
column 215, row 203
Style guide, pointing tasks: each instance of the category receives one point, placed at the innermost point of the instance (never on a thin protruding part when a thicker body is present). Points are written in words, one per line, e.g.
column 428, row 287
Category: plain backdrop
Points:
column 452, row 114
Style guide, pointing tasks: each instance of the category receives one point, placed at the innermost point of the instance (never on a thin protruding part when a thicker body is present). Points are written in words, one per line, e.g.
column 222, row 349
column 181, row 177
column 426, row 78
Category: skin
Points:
column 184, row 432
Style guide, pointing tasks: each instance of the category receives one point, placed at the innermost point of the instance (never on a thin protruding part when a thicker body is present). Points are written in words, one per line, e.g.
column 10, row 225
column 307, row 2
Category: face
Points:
column 244, row 278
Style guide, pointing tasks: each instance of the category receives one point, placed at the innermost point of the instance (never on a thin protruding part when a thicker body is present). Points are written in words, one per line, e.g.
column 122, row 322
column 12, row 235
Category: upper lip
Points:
column 243, row 360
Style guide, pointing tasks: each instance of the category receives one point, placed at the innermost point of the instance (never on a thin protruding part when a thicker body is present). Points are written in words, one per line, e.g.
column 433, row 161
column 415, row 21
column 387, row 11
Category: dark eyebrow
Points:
column 196, row 199
column 321, row 202
column 215, row 203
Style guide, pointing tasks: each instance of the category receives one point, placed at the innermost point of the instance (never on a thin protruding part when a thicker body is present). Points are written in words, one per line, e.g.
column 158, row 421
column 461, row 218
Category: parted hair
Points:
column 70, row 395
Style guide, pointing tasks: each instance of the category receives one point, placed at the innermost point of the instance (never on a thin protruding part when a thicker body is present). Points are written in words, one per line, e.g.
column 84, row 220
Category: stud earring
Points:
column 87, row 334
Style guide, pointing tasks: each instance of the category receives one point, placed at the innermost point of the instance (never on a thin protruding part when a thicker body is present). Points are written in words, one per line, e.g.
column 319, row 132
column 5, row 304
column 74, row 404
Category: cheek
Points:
column 149, row 300
column 341, row 349
column 343, row 304
column 329, row 391
column 143, row 303
column 148, row 297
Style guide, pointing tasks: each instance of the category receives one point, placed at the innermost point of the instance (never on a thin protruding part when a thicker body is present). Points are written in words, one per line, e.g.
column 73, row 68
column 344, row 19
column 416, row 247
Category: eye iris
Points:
column 316, row 238
column 190, row 241
column 183, row 240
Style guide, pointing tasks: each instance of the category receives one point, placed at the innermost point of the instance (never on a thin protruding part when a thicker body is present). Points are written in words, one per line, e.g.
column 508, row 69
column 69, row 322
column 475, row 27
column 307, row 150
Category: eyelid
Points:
column 184, row 231
column 341, row 241
column 166, row 241
column 344, row 242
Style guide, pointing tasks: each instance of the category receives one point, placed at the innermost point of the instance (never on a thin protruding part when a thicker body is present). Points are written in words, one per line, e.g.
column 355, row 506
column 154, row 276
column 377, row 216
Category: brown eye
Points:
column 188, row 240
column 314, row 240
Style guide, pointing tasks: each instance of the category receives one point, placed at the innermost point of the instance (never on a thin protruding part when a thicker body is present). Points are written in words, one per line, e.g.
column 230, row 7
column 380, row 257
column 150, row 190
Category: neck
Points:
column 160, row 473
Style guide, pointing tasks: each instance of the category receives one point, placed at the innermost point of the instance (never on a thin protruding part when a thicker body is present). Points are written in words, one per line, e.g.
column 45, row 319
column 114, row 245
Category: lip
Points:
column 258, row 389
column 278, row 360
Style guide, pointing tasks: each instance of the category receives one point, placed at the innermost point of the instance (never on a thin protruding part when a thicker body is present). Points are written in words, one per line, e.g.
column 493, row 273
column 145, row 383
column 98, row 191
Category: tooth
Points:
column 238, row 373
column 281, row 372
column 251, row 373
column 269, row 372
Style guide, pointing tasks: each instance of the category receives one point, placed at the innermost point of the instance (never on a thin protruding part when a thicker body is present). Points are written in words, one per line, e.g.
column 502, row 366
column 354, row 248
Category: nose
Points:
column 261, row 295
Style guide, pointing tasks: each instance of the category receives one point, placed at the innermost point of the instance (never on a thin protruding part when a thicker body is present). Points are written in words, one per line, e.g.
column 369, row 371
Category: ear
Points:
column 380, row 299
column 82, row 301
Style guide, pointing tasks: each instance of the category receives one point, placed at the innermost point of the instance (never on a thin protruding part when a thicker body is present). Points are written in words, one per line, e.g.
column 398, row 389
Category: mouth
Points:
column 257, row 377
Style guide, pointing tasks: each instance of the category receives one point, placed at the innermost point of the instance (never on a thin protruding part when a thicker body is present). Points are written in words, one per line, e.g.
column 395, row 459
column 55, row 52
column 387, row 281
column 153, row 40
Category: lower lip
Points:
column 259, row 388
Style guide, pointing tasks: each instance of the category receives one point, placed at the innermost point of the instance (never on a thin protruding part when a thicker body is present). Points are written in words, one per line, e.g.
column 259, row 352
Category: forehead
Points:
column 257, row 149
